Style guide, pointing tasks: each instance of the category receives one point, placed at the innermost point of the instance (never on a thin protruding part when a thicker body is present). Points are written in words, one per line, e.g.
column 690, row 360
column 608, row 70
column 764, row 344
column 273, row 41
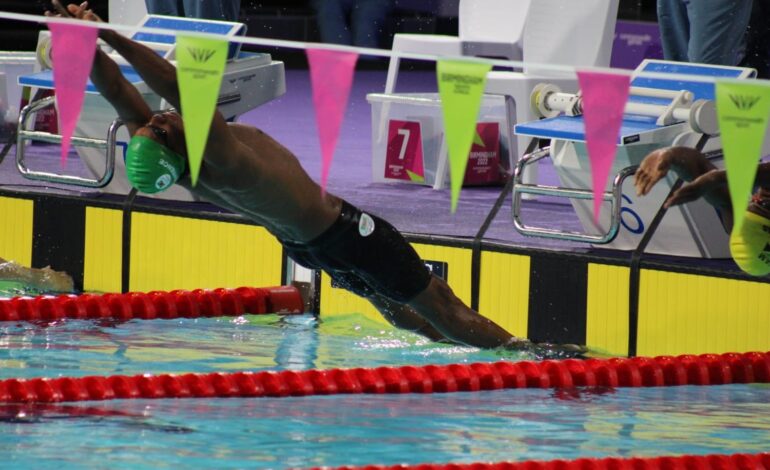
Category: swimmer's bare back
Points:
column 257, row 177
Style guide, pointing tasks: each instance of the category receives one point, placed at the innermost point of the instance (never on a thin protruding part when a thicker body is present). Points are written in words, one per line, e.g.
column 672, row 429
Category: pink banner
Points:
column 331, row 76
column 73, row 52
column 604, row 99
column 484, row 160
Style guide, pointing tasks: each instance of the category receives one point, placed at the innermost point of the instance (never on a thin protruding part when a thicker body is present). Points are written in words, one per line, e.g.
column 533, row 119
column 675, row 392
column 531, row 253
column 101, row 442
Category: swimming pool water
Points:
column 254, row 342
column 505, row 425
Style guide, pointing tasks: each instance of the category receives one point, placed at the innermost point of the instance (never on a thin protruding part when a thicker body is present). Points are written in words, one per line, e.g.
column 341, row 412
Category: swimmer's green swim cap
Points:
column 750, row 247
column 152, row 167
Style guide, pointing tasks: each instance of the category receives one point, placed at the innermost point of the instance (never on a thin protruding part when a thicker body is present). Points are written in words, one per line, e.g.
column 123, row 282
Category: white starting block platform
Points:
column 250, row 80
column 693, row 229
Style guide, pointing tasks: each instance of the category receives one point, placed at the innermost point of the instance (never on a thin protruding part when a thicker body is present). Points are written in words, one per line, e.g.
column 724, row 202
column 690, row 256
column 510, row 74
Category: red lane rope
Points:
column 156, row 304
column 684, row 462
column 706, row 369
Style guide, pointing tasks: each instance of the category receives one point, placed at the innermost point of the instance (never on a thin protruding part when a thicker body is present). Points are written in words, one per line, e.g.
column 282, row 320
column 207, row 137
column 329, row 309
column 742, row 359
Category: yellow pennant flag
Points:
column 200, row 63
column 742, row 111
column 461, row 86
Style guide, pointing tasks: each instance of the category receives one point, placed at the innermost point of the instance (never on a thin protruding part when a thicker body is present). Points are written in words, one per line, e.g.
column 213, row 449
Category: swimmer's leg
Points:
column 456, row 321
column 397, row 314
column 404, row 317
column 468, row 328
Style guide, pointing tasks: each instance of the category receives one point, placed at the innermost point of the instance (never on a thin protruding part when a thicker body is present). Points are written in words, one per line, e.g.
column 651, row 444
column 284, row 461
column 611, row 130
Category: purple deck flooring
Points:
column 411, row 208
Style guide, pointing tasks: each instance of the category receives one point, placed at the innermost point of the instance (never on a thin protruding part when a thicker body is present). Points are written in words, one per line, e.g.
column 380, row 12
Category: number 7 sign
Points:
column 403, row 158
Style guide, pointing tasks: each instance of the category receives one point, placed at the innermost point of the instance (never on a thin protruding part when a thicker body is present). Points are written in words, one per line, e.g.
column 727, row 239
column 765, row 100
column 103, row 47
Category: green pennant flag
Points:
column 742, row 111
column 460, row 85
column 200, row 63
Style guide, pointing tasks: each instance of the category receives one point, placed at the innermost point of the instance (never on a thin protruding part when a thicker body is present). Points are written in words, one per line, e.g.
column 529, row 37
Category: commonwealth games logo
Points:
column 744, row 102
column 203, row 55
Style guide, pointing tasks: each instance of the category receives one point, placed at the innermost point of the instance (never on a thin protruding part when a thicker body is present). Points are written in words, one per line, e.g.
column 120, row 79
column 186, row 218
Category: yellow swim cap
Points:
column 152, row 167
column 751, row 246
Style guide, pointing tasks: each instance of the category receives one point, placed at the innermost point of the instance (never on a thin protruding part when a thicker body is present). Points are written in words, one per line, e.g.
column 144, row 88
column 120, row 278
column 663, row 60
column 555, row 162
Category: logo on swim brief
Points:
column 365, row 225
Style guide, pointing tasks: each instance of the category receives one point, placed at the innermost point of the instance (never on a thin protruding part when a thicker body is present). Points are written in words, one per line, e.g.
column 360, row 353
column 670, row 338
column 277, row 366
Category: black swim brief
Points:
column 366, row 255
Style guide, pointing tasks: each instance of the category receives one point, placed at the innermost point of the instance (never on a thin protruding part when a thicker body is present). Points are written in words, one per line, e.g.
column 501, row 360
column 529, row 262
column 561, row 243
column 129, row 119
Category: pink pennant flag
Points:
column 604, row 99
column 73, row 52
column 331, row 76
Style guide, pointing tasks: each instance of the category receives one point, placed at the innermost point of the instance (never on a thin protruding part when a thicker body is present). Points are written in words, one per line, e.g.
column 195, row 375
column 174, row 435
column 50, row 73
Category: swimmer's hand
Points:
column 81, row 11
column 45, row 279
column 543, row 351
column 697, row 188
column 653, row 168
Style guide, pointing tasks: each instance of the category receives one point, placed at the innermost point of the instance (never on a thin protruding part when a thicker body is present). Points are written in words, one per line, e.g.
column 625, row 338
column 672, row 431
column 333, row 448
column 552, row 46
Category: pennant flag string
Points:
column 257, row 41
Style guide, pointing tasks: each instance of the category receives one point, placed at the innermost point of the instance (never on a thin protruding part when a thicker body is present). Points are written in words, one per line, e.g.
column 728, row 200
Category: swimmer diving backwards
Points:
column 247, row 172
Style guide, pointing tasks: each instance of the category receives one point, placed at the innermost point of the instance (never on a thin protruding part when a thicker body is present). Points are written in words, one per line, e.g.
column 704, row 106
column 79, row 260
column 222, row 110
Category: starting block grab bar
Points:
column 24, row 135
column 614, row 197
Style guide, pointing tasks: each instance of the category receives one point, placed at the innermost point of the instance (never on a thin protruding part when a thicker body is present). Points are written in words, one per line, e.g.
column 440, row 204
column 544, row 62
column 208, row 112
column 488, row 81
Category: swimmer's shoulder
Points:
column 247, row 128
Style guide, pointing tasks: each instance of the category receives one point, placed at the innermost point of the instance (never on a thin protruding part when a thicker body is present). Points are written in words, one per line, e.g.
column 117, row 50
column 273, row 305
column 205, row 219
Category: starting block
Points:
column 250, row 80
column 661, row 112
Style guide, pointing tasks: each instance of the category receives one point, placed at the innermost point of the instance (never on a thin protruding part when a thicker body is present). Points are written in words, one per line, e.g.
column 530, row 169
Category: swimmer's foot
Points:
column 543, row 351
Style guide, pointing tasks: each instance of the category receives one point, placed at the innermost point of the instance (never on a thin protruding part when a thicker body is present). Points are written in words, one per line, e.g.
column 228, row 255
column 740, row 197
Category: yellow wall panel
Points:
column 16, row 230
column 178, row 253
column 103, row 250
column 607, row 309
column 690, row 314
column 459, row 270
column 504, row 290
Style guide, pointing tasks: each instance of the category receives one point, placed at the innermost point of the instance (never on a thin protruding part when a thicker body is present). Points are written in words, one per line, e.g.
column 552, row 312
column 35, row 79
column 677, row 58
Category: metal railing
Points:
column 614, row 197
column 24, row 135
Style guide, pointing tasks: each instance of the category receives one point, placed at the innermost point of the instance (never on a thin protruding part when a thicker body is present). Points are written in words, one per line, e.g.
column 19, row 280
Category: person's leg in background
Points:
column 164, row 7
column 758, row 39
column 332, row 20
column 718, row 30
column 222, row 10
column 674, row 29
column 369, row 22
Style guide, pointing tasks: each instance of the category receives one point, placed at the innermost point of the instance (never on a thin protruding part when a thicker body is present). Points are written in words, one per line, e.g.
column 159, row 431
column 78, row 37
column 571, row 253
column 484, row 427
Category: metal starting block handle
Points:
column 547, row 100
column 24, row 135
column 614, row 197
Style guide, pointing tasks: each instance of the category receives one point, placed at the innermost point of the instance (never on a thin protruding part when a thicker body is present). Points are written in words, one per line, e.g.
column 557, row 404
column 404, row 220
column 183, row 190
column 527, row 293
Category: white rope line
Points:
column 256, row 41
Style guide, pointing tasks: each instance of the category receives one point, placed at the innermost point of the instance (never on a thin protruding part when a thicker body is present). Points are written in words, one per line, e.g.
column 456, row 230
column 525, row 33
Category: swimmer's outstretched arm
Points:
column 703, row 177
column 156, row 71
column 106, row 75
column 160, row 75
